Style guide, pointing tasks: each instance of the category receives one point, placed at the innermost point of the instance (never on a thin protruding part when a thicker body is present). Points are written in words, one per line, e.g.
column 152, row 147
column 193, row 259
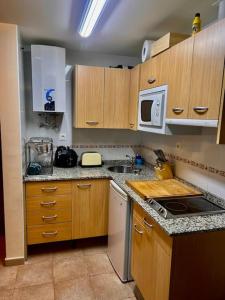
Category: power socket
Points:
column 62, row 137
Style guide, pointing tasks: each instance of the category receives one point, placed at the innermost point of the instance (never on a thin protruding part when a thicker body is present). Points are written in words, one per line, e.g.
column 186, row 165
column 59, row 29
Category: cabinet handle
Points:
column 49, row 189
column 177, row 110
column 147, row 224
column 138, row 231
column 151, row 80
column 131, row 125
column 200, row 109
column 84, row 186
column 92, row 122
column 49, row 218
column 49, row 233
column 51, row 203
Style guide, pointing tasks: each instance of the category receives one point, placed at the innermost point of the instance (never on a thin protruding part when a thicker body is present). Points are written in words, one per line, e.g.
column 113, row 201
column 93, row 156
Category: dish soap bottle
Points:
column 196, row 25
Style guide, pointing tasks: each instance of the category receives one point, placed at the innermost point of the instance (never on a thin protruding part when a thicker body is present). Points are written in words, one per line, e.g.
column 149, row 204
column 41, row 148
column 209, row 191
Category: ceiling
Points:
column 123, row 27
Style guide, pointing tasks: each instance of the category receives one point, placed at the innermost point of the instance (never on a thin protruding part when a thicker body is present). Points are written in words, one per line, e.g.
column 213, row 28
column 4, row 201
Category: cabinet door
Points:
column 138, row 258
column 207, row 72
column 134, row 94
column 89, row 97
column 162, row 251
column 142, row 255
column 90, row 208
column 116, row 104
column 180, row 62
column 154, row 72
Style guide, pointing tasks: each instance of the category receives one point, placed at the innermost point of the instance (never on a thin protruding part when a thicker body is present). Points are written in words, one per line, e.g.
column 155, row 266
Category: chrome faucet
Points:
column 131, row 159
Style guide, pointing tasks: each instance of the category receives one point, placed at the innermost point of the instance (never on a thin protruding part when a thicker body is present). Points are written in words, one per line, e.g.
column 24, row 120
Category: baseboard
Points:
column 14, row 261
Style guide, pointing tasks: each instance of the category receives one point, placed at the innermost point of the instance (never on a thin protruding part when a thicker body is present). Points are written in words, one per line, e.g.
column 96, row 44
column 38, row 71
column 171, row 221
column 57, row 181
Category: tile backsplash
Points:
column 196, row 159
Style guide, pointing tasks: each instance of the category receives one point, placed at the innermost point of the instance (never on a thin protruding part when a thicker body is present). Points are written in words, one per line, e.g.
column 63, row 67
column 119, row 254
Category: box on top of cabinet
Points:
column 168, row 40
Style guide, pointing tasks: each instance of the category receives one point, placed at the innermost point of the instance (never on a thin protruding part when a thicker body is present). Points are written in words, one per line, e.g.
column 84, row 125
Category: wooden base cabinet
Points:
column 183, row 267
column 90, row 208
column 151, row 257
column 48, row 211
column 65, row 210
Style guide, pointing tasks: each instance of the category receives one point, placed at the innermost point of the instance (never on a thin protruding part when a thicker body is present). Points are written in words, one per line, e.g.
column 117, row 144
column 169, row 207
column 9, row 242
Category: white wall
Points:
column 197, row 158
column 79, row 136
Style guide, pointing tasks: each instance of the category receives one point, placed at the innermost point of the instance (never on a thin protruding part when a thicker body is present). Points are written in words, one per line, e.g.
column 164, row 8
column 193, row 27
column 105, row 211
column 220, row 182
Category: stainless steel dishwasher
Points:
column 119, row 232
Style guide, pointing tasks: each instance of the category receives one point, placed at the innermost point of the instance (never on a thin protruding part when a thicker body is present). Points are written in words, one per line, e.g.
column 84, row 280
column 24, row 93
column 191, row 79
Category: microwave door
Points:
column 146, row 111
column 157, row 110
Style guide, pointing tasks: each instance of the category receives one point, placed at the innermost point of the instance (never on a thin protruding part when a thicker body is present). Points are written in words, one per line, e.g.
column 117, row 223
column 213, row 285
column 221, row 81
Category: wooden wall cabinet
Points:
column 186, row 266
column 196, row 75
column 101, row 97
column 90, row 208
column 179, row 81
column 134, row 95
column 154, row 72
column 89, row 97
column 116, row 102
column 207, row 72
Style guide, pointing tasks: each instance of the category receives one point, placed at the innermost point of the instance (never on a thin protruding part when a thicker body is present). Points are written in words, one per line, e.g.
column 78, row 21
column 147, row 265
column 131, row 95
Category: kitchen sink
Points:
column 124, row 169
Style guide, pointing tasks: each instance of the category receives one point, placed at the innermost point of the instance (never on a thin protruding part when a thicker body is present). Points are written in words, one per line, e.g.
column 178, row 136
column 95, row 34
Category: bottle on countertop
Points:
column 139, row 161
column 196, row 25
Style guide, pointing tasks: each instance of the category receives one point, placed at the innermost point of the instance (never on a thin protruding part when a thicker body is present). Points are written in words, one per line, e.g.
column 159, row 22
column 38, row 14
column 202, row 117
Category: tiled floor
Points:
column 66, row 271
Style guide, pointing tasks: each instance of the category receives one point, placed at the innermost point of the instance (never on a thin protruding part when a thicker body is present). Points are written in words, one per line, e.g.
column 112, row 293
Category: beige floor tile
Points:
column 69, row 268
column 36, row 292
column 67, row 253
column 34, row 274
column 38, row 258
column 98, row 264
column 6, row 294
column 78, row 289
column 109, row 287
column 93, row 246
column 8, row 277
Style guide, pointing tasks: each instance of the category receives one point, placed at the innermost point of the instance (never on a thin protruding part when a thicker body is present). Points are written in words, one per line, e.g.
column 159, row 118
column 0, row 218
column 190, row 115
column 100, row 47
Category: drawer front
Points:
column 48, row 209
column 138, row 211
column 48, row 188
column 49, row 233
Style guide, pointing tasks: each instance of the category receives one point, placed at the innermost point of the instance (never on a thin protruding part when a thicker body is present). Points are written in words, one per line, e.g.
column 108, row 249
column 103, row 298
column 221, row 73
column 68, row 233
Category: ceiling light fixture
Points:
column 91, row 16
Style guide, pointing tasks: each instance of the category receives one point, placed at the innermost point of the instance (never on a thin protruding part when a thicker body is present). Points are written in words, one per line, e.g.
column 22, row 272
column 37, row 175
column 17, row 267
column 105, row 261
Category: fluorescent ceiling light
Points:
column 91, row 16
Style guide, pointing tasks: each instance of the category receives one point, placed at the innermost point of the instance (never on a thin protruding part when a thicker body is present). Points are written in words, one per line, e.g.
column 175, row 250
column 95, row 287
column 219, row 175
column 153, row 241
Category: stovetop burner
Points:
column 176, row 207
column 185, row 206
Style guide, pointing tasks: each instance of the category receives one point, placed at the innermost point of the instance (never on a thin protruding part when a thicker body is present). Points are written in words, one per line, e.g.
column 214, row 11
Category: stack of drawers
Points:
column 48, row 211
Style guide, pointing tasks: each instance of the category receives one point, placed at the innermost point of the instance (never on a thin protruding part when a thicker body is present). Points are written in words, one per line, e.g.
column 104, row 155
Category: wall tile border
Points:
column 76, row 146
column 174, row 157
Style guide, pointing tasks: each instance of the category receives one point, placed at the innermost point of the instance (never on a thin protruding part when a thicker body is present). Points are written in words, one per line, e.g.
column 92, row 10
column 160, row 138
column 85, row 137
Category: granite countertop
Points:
column 170, row 226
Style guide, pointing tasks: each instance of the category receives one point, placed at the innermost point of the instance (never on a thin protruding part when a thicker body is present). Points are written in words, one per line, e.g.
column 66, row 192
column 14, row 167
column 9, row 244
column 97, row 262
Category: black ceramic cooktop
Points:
column 189, row 205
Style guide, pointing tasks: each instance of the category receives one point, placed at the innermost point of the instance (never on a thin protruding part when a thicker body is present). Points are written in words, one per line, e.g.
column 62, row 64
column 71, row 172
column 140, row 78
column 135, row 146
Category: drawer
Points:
column 48, row 209
column 138, row 211
column 49, row 233
column 48, row 188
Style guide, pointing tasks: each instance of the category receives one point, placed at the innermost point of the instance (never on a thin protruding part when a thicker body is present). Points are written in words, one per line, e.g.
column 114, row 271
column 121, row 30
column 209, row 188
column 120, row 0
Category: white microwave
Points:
column 152, row 109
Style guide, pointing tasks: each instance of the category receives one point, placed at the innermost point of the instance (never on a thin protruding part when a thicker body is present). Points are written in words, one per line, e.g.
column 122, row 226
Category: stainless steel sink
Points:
column 124, row 169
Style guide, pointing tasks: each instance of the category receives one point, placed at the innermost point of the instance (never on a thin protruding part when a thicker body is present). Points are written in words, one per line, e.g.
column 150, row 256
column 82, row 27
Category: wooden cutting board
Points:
column 162, row 188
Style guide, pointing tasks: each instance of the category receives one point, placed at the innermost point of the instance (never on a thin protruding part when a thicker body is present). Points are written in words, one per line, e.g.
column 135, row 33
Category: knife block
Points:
column 164, row 171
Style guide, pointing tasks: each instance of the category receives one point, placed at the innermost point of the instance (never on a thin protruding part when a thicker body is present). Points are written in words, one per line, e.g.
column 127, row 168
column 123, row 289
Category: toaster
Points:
column 91, row 159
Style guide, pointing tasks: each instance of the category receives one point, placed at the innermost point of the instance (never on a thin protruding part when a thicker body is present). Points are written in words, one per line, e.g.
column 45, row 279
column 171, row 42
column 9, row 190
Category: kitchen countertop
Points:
column 170, row 226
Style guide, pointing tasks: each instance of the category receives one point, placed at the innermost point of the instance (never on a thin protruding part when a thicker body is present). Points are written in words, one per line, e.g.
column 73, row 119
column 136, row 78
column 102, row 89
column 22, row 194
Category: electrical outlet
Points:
column 62, row 137
column 178, row 146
